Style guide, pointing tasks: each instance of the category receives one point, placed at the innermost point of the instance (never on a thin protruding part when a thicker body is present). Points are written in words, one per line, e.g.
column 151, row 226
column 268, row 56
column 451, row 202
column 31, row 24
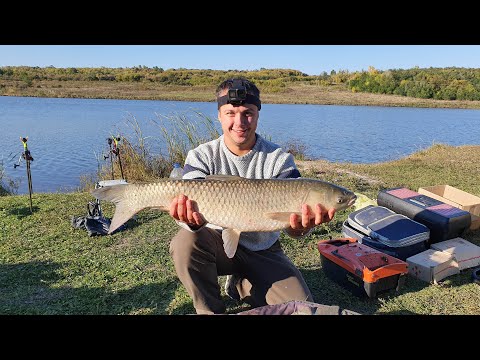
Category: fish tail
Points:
column 123, row 210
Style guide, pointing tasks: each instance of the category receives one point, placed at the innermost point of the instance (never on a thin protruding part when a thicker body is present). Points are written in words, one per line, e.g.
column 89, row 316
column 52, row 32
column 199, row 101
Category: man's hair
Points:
column 227, row 84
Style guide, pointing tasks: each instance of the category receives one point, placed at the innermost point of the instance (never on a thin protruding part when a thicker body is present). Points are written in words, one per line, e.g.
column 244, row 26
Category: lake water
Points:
column 67, row 136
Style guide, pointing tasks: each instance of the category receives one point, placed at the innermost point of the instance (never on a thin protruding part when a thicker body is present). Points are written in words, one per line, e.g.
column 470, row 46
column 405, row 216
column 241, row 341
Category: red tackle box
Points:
column 359, row 268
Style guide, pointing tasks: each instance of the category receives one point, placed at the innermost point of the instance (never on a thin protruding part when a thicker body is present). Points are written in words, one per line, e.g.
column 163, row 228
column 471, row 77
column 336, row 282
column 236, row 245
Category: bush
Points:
column 297, row 149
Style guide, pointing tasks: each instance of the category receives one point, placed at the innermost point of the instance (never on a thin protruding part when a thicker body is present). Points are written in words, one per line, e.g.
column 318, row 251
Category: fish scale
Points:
column 236, row 204
column 231, row 202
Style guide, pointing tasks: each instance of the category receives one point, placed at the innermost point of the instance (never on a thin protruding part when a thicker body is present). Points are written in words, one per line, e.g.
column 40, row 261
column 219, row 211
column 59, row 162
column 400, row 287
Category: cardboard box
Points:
column 466, row 254
column 453, row 196
column 432, row 265
column 456, row 197
column 475, row 222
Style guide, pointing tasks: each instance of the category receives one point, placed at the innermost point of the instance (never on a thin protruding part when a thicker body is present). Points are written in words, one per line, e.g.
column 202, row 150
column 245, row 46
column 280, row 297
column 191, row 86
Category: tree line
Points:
column 432, row 83
column 429, row 83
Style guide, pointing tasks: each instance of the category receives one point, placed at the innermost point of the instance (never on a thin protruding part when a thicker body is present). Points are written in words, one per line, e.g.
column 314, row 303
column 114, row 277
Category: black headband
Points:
column 249, row 99
column 237, row 95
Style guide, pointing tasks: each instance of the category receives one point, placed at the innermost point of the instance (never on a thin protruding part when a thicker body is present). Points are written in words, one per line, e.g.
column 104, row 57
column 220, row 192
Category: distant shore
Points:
column 292, row 94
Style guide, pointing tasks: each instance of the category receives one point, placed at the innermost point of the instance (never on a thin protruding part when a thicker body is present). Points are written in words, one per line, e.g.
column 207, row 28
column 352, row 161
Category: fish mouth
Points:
column 352, row 200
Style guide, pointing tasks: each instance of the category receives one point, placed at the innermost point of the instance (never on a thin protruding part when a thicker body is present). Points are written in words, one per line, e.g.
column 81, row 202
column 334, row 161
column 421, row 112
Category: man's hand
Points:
column 309, row 219
column 185, row 210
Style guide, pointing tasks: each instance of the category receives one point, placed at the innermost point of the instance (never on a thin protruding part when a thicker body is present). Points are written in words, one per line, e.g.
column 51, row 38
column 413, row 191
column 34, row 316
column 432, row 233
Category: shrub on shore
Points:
column 178, row 134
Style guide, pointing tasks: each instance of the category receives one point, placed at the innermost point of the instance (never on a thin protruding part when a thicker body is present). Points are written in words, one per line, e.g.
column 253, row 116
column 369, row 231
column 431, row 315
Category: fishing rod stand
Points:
column 114, row 150
column 27, row 156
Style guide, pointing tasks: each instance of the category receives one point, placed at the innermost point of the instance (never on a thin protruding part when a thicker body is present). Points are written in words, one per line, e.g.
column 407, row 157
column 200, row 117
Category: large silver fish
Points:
column 234, row 203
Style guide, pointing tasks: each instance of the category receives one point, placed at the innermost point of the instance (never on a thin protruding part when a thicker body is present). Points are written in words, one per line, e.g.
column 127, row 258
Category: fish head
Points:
column 329, row 195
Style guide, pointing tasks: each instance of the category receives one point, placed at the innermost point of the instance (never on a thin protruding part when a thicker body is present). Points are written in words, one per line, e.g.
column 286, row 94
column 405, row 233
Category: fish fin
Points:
column 224, row 177
column 281, row 216
column 123, row 211
column 110, row 193
column 230, row 241
column 122, row 214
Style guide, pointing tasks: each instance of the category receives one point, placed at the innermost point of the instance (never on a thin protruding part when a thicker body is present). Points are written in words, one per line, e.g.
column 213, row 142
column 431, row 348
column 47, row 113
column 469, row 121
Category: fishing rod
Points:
column 116, row 151
column 27, row 156
column 109, row 140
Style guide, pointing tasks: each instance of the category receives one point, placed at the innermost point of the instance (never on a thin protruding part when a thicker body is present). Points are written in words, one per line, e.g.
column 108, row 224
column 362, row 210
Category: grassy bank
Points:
column 290, row 94
column 48, row 267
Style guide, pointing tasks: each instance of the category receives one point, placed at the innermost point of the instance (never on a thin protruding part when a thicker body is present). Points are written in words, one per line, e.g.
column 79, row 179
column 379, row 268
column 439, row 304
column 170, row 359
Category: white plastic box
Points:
column 432, row 265
column 465, row 253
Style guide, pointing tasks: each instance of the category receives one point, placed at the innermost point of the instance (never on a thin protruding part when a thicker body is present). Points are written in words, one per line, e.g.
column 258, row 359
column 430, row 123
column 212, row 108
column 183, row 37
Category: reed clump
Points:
column 137, row 162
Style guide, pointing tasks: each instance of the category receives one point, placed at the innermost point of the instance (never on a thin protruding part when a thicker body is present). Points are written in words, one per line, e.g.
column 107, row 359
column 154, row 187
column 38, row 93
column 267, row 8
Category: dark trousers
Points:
column 269, row 277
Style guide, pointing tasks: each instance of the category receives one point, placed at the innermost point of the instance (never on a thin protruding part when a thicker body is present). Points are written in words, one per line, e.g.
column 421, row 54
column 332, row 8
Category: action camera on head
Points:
column 237, row 95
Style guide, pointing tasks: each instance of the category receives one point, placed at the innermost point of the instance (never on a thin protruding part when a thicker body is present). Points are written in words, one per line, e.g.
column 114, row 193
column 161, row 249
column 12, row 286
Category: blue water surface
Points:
column 67, row 137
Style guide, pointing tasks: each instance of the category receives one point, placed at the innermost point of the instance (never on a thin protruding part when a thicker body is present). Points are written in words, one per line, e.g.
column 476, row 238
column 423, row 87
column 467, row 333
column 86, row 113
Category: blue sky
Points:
column 310, row 59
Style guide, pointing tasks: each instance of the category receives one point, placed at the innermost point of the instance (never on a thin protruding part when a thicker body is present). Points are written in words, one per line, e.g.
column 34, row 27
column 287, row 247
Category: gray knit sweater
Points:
column 265, row 161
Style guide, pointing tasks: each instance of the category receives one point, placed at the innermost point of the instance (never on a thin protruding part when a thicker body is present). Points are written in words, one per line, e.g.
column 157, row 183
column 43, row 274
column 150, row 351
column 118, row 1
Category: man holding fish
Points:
column 259, row 271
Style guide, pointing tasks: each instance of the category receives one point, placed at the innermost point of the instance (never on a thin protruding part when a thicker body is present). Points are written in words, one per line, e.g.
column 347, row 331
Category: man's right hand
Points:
column 185, row 210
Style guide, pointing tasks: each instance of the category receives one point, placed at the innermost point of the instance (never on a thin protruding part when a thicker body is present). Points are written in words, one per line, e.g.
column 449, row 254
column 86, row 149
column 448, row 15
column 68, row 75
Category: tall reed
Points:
column 178, row 133
column 181, row 134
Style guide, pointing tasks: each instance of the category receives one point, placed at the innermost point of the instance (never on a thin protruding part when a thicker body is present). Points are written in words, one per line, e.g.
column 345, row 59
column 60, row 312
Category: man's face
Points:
column 239, row 124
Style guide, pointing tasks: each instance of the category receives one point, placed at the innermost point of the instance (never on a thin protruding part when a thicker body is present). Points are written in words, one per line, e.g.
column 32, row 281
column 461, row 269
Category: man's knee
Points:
column 183, row 242
column 186, row 245
column 291, row 288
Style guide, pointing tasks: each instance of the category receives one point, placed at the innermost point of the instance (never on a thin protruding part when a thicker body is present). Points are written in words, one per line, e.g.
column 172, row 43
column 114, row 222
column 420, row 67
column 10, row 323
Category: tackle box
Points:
column 359, row 268
column 401, row 253
column 392, row 233
column 444, row 221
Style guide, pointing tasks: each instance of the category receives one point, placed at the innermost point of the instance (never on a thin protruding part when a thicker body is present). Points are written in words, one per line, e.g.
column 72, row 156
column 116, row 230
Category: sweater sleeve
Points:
column 195, row 166
column 288, row 168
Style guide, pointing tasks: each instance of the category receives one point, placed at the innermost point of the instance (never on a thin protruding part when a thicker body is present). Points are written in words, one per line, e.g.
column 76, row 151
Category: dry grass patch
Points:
column 291, row 94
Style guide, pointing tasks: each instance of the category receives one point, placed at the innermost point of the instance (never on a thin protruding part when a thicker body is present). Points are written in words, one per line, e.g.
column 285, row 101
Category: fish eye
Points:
column 340, row 200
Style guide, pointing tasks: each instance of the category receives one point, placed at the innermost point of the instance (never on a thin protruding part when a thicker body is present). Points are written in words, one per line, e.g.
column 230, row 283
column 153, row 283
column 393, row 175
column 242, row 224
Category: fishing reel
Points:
column 115, row 145
column 114, row 150
column 26, row 155
column 112, row 140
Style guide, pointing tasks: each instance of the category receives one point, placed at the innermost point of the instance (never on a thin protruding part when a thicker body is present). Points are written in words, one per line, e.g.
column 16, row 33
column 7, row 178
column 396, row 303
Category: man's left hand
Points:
column 309, row 219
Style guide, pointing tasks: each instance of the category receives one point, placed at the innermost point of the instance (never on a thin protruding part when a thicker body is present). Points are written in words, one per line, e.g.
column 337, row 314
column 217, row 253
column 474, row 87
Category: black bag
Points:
column 95, row 223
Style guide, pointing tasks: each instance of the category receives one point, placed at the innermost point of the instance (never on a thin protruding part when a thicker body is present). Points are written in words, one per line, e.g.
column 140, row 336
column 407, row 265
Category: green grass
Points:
column 48, row 267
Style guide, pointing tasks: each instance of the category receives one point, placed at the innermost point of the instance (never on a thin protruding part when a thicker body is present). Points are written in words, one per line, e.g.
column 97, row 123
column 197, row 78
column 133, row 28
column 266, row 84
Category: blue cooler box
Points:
column 384, row 230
